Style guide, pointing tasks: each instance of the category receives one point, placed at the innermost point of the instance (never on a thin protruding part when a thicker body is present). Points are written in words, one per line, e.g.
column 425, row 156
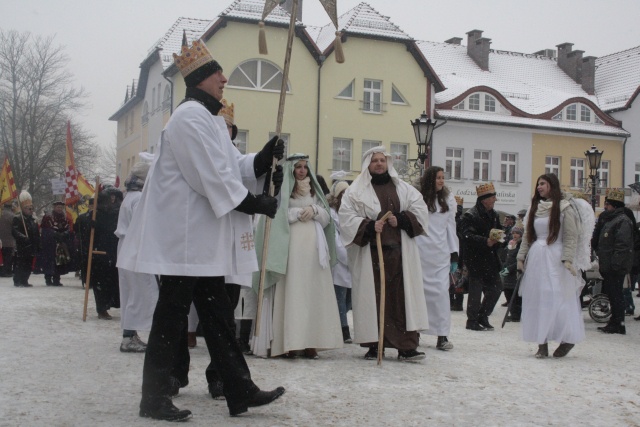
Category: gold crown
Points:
column 615, row 194
column 226, row 112
column 484, row 189
column 192, row 58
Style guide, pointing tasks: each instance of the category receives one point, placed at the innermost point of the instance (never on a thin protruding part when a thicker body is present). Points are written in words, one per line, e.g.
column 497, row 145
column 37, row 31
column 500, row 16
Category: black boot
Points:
column 346, row 335
column 484, row 322
column 614, row 328
column 563, row 349
column 48, row 280
column 410, row 355
column 372, row 354
column 474, row 325
column 259, row 398
column 161, row 408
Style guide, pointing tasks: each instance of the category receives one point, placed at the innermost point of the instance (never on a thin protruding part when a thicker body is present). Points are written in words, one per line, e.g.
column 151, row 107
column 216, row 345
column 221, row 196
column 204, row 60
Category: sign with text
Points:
column 505, row 197
column 58, row 185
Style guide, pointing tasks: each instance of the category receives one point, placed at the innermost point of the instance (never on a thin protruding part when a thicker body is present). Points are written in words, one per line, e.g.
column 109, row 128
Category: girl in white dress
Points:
column 436, row 251
column 550, row 287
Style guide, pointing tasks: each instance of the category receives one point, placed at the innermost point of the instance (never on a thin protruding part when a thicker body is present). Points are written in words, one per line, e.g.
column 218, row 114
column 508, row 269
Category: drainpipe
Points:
column 321, row 58
column 624, row 161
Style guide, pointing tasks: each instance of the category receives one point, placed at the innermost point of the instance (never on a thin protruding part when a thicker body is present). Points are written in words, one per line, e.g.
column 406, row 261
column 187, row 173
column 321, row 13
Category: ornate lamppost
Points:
column 595, row 157
column 423, row 128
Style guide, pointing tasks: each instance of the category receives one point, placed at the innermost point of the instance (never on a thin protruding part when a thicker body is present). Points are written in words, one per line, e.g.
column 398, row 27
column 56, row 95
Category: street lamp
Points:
column 423, row 128
column 595, row 157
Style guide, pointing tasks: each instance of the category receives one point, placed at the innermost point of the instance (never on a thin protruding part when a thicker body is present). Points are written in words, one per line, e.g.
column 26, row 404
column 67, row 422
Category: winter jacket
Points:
column 27, row 241
column 473, row 230
column 6, row 224
column 511, row 264
column 614, row 243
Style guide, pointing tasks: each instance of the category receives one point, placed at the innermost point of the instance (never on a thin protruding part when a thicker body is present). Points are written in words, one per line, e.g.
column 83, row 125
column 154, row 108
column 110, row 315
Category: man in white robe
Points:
column 193, row 227
column 360, row 213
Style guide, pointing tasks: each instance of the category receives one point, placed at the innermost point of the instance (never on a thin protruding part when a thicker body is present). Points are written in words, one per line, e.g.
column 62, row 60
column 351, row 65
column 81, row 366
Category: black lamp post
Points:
column 423, row 128
column 595, row 157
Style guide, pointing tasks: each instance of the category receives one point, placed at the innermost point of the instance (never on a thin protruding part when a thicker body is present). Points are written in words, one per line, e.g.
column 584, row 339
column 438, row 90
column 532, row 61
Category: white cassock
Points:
column 185, row 224
column 138, row 291
column 435, row 257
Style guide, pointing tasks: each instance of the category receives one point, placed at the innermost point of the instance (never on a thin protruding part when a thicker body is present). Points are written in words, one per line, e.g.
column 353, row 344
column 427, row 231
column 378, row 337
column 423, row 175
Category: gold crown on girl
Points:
column 615, row 194
column 484, row 189
column 226, row 112
column 192, row 58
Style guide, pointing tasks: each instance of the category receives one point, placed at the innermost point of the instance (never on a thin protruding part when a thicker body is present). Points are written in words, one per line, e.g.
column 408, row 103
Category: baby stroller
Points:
column 598, row 304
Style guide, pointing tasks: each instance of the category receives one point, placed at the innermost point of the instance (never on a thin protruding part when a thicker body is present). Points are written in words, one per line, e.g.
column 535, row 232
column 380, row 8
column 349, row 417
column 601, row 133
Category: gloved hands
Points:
column 277, row 178
column 259, row 204
column 569, row 266
column 264, row 158
column 520, row 266
column 307, row 214
column 454, row 267
column 504, row 272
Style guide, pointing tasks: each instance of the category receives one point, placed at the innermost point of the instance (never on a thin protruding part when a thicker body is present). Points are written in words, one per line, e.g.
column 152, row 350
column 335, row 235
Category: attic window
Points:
column 474, row 102
column 489, row 103
column 571, row 112
column 459, row 106
column 257, row 74
column 347, row 92
column 557, row 116
column 396, row 96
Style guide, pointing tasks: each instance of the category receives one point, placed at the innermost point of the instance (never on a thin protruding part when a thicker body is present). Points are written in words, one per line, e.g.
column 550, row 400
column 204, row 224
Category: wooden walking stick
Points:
column 267, row 224
column 90, row 252
column 382, row 293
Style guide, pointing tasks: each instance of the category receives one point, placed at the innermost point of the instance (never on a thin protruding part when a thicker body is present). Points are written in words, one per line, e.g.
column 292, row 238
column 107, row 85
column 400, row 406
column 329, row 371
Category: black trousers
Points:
column 22, row 270
column 491, row 286
column 7, row 259
column 233, row 291
column 516, row 307
column 612, row 286
column 167, row 336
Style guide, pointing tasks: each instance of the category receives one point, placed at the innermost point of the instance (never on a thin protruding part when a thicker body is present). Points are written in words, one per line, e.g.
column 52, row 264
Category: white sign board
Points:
column 504, row 197
column 58, row 185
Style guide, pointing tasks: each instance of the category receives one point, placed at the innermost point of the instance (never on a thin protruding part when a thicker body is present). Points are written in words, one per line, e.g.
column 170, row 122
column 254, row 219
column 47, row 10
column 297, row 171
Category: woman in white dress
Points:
column 301, row 252
column 550, row 287
column 437, row 249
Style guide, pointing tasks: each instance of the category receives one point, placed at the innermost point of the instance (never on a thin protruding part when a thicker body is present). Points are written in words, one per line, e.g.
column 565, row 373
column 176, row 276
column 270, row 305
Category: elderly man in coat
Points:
column 376, row 191
column 192, row 226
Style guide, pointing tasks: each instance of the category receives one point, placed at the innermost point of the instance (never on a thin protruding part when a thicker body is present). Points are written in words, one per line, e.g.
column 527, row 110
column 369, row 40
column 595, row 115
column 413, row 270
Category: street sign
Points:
column 58, row 185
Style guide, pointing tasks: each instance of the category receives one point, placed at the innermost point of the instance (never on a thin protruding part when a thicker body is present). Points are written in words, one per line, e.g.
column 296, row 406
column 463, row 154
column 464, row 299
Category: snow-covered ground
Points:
column 56, row 370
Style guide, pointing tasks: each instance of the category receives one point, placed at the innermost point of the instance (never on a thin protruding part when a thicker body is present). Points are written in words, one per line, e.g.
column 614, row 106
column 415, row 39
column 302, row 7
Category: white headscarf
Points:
column 361, row 187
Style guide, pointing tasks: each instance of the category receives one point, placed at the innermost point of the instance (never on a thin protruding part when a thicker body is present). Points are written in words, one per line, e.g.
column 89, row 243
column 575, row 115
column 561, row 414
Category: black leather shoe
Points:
column 410, row 355
column 484, row 322
column 215, row 390
column 563, row 349
column 259, row 398
column 372, row 354
column 473, row 325
column 161, row 408
column 614, row 329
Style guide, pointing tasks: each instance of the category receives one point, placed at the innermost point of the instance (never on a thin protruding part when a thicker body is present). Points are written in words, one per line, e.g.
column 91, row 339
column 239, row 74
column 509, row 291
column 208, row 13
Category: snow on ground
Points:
column 56, row 370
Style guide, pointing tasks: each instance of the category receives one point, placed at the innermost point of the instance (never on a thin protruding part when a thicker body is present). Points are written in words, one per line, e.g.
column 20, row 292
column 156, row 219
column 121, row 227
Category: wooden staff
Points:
column 91, row 251
column 267, row 224
column 382, row 292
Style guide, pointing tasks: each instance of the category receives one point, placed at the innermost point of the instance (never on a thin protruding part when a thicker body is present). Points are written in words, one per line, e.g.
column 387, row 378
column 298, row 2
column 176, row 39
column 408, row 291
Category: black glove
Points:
column 264, row 158
column 259, row 204
column 278, row 177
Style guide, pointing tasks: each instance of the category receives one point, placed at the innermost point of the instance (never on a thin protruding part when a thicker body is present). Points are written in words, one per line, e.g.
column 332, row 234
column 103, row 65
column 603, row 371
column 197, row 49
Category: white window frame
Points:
column 400, row 155
column 476, row 102
column 585, row 114
column 351, row 87
column 508, row 167
column 552, row 165
column 372, row 96
column 341, row 154
column 395, row 91
column 576, row 172
column 453, row 163
column 490, row 103
column 482, row 165
column 603, row 173
column 573, row 113
column 258, row 84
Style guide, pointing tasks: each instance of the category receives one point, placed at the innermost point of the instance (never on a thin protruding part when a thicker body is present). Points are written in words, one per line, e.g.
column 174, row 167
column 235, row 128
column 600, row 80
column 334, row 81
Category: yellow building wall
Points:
column 568, row 147
column 130, row 140
column 256, row 111
column 343, row 118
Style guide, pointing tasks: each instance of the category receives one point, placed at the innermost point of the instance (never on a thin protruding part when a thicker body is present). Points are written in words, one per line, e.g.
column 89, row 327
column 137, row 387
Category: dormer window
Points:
column 480, row 101
column 474, row 102
column 578, row 112
column 489, row 103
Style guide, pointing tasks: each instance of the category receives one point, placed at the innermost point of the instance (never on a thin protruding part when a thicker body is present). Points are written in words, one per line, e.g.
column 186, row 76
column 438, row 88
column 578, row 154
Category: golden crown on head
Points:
column 484, row 189
column 226, row 112
column 192, row 58
column 615, row 194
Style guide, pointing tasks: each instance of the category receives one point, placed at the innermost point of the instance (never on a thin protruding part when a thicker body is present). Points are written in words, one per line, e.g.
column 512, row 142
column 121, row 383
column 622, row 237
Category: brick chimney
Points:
column 570, row 61
column 454, row 40
column 288, row 6
column 589, row 74
column 478, row 48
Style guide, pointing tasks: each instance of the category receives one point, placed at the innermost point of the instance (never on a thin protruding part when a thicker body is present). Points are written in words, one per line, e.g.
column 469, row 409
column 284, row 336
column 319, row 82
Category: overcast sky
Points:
column 107, row 40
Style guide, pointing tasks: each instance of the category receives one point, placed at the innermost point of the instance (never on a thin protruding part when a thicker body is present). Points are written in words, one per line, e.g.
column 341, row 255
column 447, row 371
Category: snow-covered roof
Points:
column 362, row 19
column 251, row 10
column 501, row 119
column 617, row 78
column 171, row 42
column 532, row 83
